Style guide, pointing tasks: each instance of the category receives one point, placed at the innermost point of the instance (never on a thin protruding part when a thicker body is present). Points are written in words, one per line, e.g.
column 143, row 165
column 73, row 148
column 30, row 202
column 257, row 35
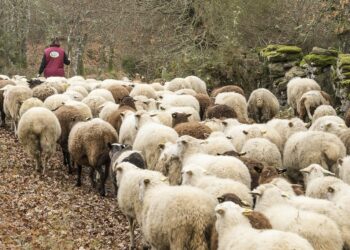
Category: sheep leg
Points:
column 66, row 160
column 131, row 231
column 114, row 181
column 309, row 113
column 92, row 177
column 104, row 179
column 79, row 175
column 3, row 119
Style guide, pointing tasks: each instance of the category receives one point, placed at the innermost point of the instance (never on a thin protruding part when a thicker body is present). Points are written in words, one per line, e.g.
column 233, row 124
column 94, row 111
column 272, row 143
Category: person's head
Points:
column 55, row 42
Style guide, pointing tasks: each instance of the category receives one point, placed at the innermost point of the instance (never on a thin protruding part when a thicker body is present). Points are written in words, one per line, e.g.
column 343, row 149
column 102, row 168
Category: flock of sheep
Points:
column 197, row 171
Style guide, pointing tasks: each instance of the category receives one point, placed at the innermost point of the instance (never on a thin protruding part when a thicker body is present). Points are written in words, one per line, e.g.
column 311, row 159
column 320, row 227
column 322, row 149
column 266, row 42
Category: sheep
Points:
column 178, row 118
column 235, row 101
column 296, row 87
column 319, row 230
column 204, row 103
column 256, row 219
column 145, row 90
column 3, row 83
column 321, row 148
column 269, row 173
column 188, row 110
column 74, row 95
column 80, row 89
column 262, row 105
column 194, row 129
column 118, row 92
column 286, row 127
column 144, row 103
column 104, row 93
column 216, row 144
column 43, row 91
column 115, row 118
column 95, row 104
column 128, row 131
column 186, row 92
column 197, row 176
column 308, row 102
column 30, row 103
column 38, row 131
column 344, row 169
column 68, row 116
column 323, row 110
column 108, row 108
column 4, row 77
column 176, row 217
column 14, row 96
column 220, row 111
column 236, row 232
column 189, row 151
column 180, row 101
column 177, row 84
column 262, row 150
column 331, row 124
column 88, row 146
column 55, row 101
column 149, row 136
column 197, row 84
column 285, row 186
column 157, row 86
column 215, row 124
column 228, row 88
column 128, row 177
column 82, row 107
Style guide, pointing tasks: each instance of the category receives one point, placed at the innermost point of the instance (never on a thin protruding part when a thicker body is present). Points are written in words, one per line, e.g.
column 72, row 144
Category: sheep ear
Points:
column 174, row 115
column 161, row 146
column 88, row 119
column 284, row 194
column 109, row 145
column 281, row 170
column 257, row 169
column 146, row 181
column 224, row 123
column 188, row 115
column 255, row 193
column 153, row 115
column 242, row 153
column 220, row 211
column 162, row 108
column 189, row 172
column 245, row 203
column 308, row 125
column 229, row 137
column 245, row 132
column 119, row 169
column 221, row 199
column 290, row 124
column 330, row 190
column 340, row 161
column 305, row 170
column 327, row 173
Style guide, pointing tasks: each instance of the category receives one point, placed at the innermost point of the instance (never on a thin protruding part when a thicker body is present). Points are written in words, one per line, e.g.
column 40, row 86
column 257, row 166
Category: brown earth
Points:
column 49, row 212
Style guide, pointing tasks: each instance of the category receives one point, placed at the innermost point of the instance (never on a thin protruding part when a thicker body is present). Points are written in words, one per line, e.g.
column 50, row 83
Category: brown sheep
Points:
column 269, row 173
column 220, row 111
column 118, row 92
column 3, row 83
column 179, row 118
column 255, row 168
column 257, row 220
column 308, row 103
column 228, row 88
column 68, row 116
column 43, row 91
column 115, row 119
column 262, row 105
column 204, row 102
column 89, row 144
column 194, row 129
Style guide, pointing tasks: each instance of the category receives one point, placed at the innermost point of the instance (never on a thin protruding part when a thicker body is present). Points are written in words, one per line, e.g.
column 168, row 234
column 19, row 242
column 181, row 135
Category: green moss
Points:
column 344, row 59
column 346, row 75
column 345, row 83
column 288, row 49
column 345, row 68
column 303, row 63
column 320, row 60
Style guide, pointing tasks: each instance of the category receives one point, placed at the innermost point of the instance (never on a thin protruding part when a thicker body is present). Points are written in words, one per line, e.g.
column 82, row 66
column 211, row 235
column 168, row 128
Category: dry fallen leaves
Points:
column 49, row 212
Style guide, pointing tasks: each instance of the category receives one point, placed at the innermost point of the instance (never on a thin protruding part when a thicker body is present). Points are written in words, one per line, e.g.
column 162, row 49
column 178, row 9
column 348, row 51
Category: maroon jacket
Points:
column 53, row 61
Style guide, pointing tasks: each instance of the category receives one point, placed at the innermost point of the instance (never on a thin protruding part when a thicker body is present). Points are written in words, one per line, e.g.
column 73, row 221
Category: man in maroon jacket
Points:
column 53, row 60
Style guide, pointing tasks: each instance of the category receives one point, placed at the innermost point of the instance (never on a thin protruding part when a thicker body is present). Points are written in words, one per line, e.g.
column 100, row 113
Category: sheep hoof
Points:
column 78, row 184
column 102, row 192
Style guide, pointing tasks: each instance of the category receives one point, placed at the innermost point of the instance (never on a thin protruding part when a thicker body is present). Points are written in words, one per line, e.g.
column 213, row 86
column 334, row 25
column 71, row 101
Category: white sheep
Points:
column 82, row 107
column 74, row 95
column 107, row 109
column 321, row 148
column 149, row 136
column 236, row 233
column 95, row 104
column 197, row 176
column 332, row 124
column 144, row 90
column 344, row 169
column 55, row 101
column 310, row 101
column 323, row 110
column 319, row 230
column 14, row 96
column 297, row 87
column 176, row 217
column 262, row 105
column 197, row 84
column 264, row 151
column 235, row 101
column 314, row 171
column 128, row 131
column 106, row 94
column 128, row 177
column 144, row 103
column 215, row 124
column 176, row 84
column 186, row 92
column 217, row 143
column 180, row 101
column 38, row 131
column 79, row 89
column 30, row 103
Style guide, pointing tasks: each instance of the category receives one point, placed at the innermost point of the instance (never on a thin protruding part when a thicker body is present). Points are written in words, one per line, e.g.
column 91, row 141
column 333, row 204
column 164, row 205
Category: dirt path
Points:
column 49, row 212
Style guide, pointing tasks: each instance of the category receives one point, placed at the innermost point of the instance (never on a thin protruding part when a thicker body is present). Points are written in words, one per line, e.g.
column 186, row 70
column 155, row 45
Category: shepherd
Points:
column 52, row 63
